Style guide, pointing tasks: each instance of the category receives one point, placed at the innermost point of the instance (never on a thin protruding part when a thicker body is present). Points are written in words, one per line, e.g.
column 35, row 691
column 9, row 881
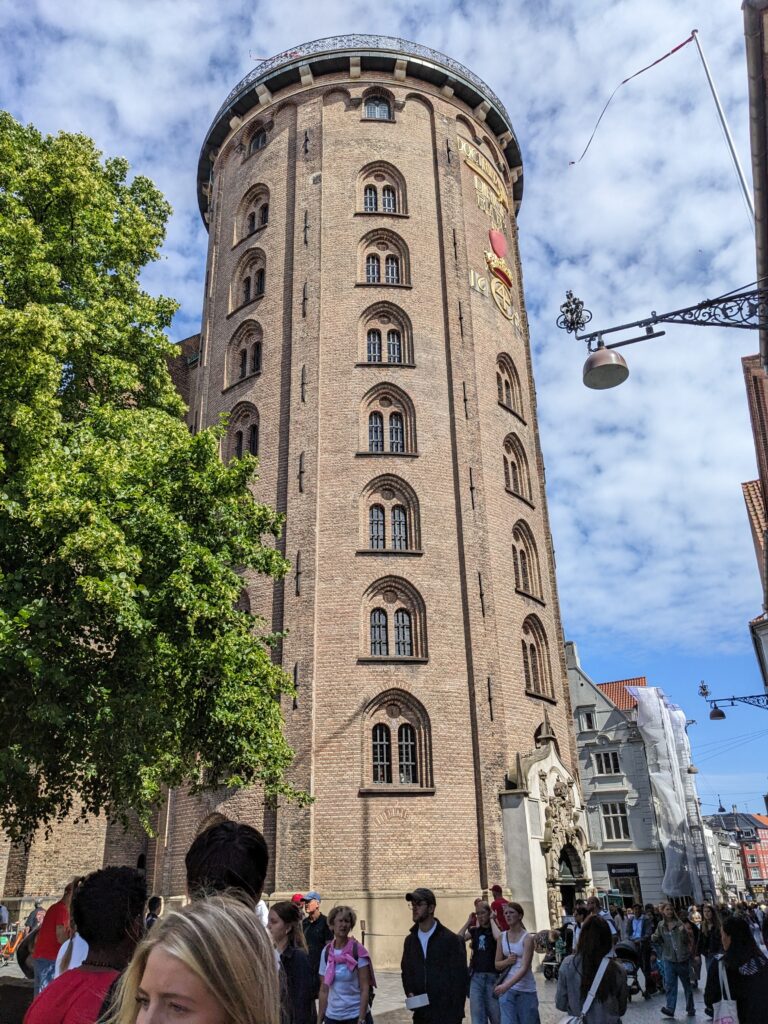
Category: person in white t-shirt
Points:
column 346, row 972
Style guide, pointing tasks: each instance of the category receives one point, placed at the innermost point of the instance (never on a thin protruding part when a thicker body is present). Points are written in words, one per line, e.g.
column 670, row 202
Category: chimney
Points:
column 765, row 801
column 572, row 658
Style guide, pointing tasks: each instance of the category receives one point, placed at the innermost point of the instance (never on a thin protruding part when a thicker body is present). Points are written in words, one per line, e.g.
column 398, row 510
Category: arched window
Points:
column 407, row 758
column 248, row 281
column 243, row 363
column 238, row 444
column 396, row 714
column 394, row 423
column 251, row 222
column 394, row 347
column 246, row 290
column 243, row 432
column 379, row 639
column 399, row 528
column 525, row 560
column 376, row 524
column 392, row 269
column 370, row 200
column 382, row 754
column 403, row 639
column 396, row 433
column 253, row 438
column 394, row 340
column 258, row 140
column 536, row 665
column 388, row 499
column 259, row 281
column 256, row 357
column 376, row 432
column 377, row 107
column 517, row 477
column 264, row 214
column 392, row 597
column 510, row 393
column 253, row 212
column 388, row 199
column 372, row 268
column 374, row 346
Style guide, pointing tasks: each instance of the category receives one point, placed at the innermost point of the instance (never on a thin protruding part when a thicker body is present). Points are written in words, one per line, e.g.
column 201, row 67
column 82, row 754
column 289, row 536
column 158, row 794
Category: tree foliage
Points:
column 124, row 664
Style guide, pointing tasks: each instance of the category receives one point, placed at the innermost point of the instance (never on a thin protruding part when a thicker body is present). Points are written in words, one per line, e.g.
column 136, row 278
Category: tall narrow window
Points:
column 403, row 639
column 533, row 656
column 376, row 523
column 370, row 202
column 388, row 199
column 376, row 432
column 508, row 393
column 246, row 289
column 500, row 387
column 243, row 362
column 506, row 472
column 525, row 579
column 396, row 433
column 515, row 477
column 394, row 347
column 399, row 529
column 406, row 755
column 251, row 223
column 264, row 214
column 258, row 141
column 374, row 346
column 392, row 269
column 239, row 444
column 260, row 281
column 382, row 754
column 372, row 269
column 256, row 357
column 253, row 439
column 379, row 643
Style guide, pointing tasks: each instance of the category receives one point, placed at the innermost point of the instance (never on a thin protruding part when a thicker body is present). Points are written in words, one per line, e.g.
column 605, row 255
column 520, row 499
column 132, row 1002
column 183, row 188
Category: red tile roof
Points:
column 762, row 819
column 617, row 692
column 753, row 498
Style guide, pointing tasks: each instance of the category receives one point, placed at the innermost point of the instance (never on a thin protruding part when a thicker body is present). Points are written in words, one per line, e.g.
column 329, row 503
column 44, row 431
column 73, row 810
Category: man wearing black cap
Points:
column 434, row 965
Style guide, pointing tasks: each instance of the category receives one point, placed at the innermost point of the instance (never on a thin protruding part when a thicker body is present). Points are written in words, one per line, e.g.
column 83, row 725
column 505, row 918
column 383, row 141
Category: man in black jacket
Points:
column 434, row 963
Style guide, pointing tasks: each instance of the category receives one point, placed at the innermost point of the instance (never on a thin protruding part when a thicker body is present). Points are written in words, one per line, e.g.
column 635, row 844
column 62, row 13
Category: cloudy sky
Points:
column 655, row 562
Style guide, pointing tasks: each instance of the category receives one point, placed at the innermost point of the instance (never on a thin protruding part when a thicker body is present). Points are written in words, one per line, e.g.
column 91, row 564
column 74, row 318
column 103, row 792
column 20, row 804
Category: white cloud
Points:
column 653, row 546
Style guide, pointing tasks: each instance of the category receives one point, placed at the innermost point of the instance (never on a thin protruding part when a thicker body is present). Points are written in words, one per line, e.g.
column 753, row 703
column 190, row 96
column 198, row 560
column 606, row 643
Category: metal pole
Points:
column 724, row 123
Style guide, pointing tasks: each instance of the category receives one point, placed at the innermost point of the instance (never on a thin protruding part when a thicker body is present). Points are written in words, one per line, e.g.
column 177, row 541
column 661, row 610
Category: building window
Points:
column 243, row 430
column 615, row 821
column 388, row 199
column 372, row 269
column 374, row 346
column 754, row 872
column 264, row 215
column 259, row 282
column 377, row 107
column 256, row 357
column 396, row 433
column 399, row 506
column 243, row 362
column 525, row 560
column 376, row 432
column 406, row 755
column 752, row 859
column 396, row 598
column 376, row 523
column 399, row 528
column 244, row 353
column 382, row 754
column 508, row 388
column 238, row 444
column 394, row 347
column 370, row 201
column 379, row 640
column 253, row 439
column 258, row 141
column 251, row 223
column 403, row 640
column 392, row 270
column 517, row 478
column 588, row 721
column 246, row 292
column 536, row 666
column 253, row 212
column 607, row 763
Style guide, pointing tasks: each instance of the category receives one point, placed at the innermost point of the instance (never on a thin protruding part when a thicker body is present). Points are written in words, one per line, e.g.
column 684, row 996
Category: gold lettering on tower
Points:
column 482, row 165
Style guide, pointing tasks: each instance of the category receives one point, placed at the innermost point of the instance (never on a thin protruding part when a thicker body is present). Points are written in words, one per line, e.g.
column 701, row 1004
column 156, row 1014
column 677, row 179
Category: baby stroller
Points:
column 628, row 957
column 555, row 951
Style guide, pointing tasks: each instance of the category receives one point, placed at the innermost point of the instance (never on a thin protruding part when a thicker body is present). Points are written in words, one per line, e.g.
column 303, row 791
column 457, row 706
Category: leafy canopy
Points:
column 124, row 664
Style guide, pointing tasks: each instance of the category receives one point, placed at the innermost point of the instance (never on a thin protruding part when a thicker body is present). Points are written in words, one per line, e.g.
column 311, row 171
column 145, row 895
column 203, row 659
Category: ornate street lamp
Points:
column 746, row 309
column 756, row 700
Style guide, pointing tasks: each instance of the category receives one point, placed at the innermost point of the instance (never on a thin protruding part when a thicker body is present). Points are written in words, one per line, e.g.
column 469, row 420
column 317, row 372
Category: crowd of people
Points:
column 104, row 954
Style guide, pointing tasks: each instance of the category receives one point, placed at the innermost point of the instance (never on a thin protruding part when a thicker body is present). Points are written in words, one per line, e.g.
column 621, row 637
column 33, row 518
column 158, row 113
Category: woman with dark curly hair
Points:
column 746, row 970
column 577, row 974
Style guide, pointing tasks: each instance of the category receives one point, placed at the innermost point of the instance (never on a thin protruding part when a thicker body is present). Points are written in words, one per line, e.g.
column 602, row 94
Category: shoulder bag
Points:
column 579, row 1017
column 724, row 1011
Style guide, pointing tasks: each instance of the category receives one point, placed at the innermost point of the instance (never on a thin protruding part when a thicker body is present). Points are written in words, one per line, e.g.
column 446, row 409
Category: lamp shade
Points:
column 716, row 714
column 605, row 369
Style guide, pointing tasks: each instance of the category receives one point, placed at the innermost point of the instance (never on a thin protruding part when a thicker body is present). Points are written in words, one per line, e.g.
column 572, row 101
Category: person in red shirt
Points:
column 53, row 931
column 497, row 907
column 108, row 910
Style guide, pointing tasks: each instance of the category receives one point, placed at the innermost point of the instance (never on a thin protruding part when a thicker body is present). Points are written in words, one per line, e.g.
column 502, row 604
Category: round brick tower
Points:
column 364, row 327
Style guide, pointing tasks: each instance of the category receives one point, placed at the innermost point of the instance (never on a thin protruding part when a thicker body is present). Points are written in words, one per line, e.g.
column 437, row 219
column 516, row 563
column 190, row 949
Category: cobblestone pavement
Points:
column 388, row 1005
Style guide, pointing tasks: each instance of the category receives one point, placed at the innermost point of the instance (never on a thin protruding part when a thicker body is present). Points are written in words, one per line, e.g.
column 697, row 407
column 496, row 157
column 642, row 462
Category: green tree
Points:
column 124, row 664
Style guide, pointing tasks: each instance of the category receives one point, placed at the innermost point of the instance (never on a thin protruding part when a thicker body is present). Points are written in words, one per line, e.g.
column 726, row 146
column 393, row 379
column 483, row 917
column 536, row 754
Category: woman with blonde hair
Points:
column 208, row 963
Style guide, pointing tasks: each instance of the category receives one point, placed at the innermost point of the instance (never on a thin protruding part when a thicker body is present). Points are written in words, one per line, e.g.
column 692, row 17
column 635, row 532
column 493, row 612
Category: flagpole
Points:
column 726, row 130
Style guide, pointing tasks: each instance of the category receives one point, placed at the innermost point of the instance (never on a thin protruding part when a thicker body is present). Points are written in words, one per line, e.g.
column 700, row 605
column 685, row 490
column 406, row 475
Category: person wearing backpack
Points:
column 578, row 973
column 346, row 972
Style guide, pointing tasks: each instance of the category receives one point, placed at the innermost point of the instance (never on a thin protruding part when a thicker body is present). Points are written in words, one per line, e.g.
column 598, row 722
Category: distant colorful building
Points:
column 751, row 832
